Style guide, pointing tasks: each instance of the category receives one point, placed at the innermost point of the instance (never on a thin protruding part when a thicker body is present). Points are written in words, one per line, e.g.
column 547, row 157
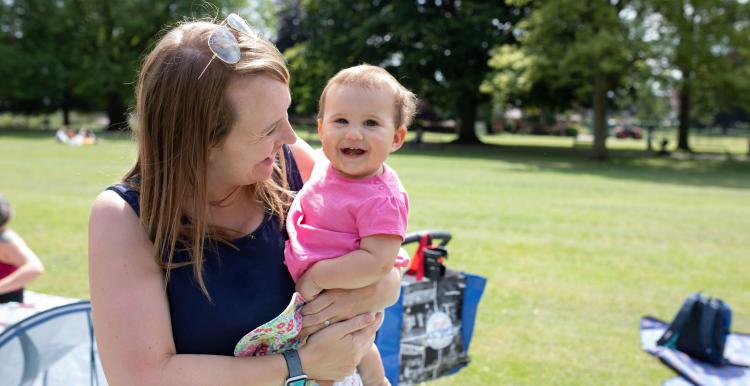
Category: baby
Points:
column 347, row 223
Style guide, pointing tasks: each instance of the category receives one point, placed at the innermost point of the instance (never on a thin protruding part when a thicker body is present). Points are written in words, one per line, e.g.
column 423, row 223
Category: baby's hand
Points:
column 307, row 287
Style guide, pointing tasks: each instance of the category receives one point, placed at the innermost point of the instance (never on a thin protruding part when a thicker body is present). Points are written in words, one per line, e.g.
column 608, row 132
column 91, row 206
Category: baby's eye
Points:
column 371, row 122
column 341, row 121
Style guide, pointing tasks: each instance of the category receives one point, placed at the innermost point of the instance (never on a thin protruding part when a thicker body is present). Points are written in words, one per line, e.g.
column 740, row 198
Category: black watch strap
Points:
column 297, row 377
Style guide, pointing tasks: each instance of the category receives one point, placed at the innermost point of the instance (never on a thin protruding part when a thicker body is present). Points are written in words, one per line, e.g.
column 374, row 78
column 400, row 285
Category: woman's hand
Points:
column 335, row 305
column 330, row 306
column 334, row 352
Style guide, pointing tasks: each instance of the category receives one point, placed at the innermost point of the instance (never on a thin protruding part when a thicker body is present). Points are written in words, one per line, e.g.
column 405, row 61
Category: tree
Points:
column 83, row 54
column 513, row 83
column 31, row 67
column 587, row 47
column 439, row 49
column 707, row 43
column 290, row 18
column 114, row 46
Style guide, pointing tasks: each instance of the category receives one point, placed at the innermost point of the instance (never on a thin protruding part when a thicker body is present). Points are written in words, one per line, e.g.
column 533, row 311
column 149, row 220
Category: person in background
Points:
column 61, row 135
column 19, row 265
column 87, row 136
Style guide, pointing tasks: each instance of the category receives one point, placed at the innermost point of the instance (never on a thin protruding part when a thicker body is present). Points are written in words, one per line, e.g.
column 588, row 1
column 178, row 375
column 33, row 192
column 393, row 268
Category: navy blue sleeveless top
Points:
column 248, row 286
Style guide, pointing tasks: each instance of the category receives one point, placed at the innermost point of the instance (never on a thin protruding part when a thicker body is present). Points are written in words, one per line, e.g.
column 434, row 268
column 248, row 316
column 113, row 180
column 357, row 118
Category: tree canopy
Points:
column 596, row 54
column 438, row 49
column 570, row 52
column 551, row 56
column 706, row 45
column 74, row 54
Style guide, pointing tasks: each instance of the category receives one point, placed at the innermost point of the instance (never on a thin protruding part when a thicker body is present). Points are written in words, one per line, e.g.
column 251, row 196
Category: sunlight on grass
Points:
column 575, row 252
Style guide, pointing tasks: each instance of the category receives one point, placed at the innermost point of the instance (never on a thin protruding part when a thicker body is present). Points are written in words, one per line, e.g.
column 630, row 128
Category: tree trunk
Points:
column 490, row 129
column 599, row 149
column 684, row 114
column 468, row 110
column 66, row 116
column 117, row 113
column 67, row 104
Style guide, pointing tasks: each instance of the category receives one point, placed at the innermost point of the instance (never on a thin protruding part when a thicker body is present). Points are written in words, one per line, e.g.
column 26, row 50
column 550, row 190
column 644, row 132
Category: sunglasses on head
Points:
column 223, row 43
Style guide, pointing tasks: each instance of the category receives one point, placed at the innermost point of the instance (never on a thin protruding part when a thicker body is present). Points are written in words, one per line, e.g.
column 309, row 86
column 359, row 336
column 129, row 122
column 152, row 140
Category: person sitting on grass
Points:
column 19, row 265
column 87, row 136
column 61, row 135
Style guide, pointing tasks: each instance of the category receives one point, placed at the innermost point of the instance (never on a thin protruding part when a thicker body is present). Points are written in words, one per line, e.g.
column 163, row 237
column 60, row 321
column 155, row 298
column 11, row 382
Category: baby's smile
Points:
column 353, row 151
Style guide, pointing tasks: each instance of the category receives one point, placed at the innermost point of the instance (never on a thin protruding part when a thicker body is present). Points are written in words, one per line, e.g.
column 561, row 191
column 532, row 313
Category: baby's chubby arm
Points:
column 371, row 262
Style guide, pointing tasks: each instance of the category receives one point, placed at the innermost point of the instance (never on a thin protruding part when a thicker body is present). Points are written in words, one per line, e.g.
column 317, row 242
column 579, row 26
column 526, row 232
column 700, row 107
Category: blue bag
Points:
column 700, row 329
column 426, row 334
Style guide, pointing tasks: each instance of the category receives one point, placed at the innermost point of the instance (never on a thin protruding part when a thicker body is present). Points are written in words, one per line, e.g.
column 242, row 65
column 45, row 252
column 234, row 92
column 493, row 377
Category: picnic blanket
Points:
column 692, row 371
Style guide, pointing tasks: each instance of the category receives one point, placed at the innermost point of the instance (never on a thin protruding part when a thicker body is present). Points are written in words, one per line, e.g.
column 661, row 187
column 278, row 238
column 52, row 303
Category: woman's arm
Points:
column 133, row 328
column 341, row 304
column 304, row 156
column 17, row 253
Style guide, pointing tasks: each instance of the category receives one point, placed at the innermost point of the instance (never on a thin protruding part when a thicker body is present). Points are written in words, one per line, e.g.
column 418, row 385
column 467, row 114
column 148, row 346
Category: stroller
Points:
column 426, row 334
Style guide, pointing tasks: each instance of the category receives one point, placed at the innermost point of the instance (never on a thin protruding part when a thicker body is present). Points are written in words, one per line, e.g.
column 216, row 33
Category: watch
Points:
column 297, row 377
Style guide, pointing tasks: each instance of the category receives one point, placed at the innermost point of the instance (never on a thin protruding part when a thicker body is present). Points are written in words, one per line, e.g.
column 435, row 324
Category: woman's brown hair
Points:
column 181, row 117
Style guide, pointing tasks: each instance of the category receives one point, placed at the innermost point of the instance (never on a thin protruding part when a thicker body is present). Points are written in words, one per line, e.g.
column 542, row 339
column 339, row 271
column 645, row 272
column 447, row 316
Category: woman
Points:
column 19, row 265
column 186, row 254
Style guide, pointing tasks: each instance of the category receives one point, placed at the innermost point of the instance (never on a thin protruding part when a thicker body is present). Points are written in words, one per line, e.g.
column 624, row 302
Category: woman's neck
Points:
column 219, row 195
column 237, row 211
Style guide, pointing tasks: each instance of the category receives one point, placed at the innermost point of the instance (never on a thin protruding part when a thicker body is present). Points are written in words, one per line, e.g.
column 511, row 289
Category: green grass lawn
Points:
column 575, row 252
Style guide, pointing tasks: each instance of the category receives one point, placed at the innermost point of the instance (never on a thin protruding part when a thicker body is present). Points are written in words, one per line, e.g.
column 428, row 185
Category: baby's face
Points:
column 358, row 131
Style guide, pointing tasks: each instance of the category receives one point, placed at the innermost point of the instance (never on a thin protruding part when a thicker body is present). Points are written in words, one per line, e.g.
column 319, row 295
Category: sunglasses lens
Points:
column 238, row 23
column 224, row 45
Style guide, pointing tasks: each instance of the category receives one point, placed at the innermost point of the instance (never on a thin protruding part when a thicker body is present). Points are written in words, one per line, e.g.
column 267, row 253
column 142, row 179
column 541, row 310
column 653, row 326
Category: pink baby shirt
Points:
column 332, row 213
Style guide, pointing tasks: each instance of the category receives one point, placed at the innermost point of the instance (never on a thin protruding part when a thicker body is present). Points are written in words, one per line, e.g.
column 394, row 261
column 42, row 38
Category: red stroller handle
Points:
column 414, row 237
column 428, row 258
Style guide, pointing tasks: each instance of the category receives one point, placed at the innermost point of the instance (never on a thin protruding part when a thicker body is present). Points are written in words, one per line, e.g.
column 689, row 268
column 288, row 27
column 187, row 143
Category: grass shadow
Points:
column 623, row 164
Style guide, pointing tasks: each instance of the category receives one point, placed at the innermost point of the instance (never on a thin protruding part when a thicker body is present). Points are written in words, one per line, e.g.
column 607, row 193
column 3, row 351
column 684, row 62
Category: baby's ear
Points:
column 398, row 138
column 320, row 127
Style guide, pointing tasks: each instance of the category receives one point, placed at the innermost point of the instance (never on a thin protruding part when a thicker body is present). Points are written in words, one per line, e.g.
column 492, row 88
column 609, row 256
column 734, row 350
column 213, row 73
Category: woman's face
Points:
column 260, row 127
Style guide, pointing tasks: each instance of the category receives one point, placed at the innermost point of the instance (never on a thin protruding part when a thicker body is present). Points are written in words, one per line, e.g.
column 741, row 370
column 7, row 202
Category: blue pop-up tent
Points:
column 55, row 347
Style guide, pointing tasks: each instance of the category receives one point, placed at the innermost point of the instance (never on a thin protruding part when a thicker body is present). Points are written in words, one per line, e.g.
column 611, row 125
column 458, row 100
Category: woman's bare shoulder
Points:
column 115, row 229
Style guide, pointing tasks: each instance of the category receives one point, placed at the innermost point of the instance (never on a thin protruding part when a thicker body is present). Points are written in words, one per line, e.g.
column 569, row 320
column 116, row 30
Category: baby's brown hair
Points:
column 369, row 77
